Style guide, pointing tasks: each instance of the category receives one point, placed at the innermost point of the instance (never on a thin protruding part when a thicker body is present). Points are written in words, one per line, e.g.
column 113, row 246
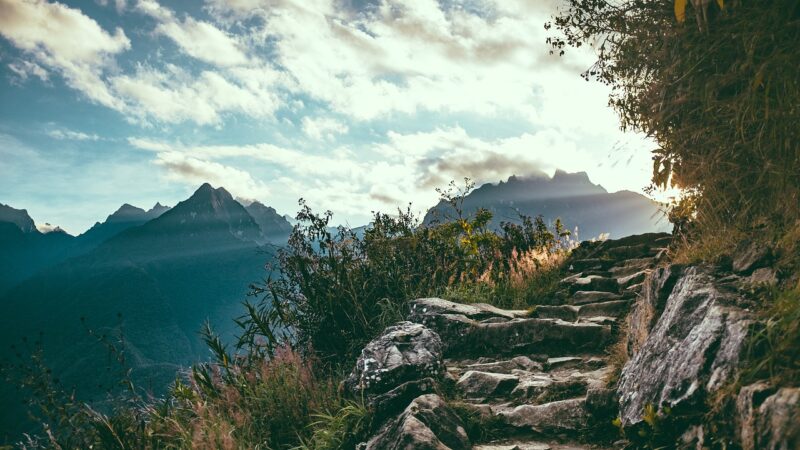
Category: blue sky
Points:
column 355, row 105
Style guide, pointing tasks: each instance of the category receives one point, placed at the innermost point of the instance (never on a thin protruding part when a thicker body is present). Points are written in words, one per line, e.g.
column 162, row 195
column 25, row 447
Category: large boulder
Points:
column 426, row 424
column 692, row 350
column 405, row 353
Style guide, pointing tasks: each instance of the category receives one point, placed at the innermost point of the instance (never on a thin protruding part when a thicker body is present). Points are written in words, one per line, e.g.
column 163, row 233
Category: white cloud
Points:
column 64, row 39
column 320, row 128
column 25, row 69
column 198, row 39
column 72, row 135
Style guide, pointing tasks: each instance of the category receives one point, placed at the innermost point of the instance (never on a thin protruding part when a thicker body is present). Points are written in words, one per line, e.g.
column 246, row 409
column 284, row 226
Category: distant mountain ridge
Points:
column 572, row 197
column 161, row 274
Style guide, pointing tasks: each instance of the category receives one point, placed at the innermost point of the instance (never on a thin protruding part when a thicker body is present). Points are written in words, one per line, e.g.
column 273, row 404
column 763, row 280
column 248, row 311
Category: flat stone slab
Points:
column 567, row 313
column 506, row 366
column 482, row 385
column 475, row 311
column 584, row 297
column 613, row 308
column 560, row 417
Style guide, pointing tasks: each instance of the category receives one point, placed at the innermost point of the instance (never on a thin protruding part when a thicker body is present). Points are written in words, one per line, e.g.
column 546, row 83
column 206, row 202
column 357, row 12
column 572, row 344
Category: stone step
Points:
column 612, row 308
column 565, row 377
column 518, row 444
column 586, row 297
column 631, row 266
column 559, row 418
column 590, row 283
column 462, row 336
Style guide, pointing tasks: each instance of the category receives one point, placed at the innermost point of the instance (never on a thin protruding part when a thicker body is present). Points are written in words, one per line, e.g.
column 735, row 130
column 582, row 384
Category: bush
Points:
column 336, row 289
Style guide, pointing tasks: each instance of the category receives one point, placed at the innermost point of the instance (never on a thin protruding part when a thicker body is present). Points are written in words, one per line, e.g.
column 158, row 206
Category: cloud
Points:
column 187, row 169
column 24, row 69
column 392, row 57
column 72, row 135
column 198, row 39
column 323, row 128
column 64, row 39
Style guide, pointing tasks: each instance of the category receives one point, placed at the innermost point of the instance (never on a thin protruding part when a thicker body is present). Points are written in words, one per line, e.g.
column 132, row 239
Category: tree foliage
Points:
column 715, row 84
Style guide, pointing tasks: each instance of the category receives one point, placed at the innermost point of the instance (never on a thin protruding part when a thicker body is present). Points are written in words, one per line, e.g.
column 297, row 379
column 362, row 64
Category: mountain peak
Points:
column 18, row 217
column 157, row 210
column 125, row 213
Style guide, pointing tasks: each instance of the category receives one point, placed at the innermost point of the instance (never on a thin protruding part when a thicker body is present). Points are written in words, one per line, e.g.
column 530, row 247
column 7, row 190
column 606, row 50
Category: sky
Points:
column 354, row 105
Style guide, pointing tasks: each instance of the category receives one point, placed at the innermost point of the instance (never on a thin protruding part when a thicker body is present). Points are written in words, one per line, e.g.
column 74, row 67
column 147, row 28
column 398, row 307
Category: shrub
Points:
column 718, row 91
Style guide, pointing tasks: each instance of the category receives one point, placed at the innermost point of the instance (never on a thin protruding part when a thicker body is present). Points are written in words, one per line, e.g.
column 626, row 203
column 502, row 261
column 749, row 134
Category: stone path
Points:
column 538, row 378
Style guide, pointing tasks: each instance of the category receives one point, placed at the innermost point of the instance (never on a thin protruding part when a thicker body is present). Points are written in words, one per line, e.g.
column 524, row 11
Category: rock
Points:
column 593, row 283
column 632, row 279
column 483, row 385
column 631, row 266
column 506, row 366
column 692, row 350
column 404, row 352
column 560, row 417
column 463, row 337
column 750, row 255
column 768, row 419
column 568, row 313
column 657, row 287
column 580, row 265
column 426, row 424
column 474, row 311
column 563, row 362
column 764, row 275
column 584, row 297
column 602, row 405
column 515, row 446
column 614, row 308
column 398, row 398
column 630, row 251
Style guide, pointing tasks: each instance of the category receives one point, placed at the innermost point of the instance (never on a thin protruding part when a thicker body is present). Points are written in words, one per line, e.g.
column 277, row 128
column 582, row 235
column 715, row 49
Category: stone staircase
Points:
column 530, row 379
column 538, row 378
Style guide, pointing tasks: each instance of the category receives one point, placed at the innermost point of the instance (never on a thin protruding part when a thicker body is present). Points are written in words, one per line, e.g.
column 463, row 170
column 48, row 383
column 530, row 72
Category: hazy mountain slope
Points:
column 274, row 227
column 572, row 197
column 24, row 249
column 164, row 278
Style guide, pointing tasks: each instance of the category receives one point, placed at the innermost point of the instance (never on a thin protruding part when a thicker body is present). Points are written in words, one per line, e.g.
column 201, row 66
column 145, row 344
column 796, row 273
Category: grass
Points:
column 532, row 279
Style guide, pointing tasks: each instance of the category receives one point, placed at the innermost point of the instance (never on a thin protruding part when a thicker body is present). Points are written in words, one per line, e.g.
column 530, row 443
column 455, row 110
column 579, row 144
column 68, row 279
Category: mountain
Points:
column 127, row 216
column 18, row 217
column 24, row 249
column 157, row 282
column 572, row 197
column 274, row 227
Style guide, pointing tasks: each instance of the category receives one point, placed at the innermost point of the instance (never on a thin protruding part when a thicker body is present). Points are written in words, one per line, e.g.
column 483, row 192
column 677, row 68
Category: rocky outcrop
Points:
column 692, row 350
column 426, row 424
column 768, row 418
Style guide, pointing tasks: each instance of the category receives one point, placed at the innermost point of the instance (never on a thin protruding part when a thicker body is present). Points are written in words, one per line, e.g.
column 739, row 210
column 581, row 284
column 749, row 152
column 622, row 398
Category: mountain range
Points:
column 152, row 276
column 572, row 197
